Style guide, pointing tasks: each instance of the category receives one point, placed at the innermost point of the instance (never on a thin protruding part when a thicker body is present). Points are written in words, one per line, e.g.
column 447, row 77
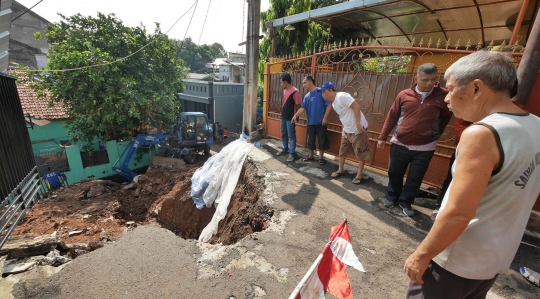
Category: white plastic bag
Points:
column 224, row 180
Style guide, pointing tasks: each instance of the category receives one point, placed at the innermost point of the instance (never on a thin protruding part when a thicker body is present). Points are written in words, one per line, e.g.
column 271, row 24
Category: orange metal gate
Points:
column 373, row 75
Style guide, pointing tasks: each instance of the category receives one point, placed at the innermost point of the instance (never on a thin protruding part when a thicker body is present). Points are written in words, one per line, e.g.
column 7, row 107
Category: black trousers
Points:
column 401, row 158
column 447, row 181
column 442, row 284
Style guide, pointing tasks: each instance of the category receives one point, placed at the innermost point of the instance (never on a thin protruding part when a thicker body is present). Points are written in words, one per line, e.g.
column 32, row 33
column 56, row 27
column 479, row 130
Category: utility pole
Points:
column 252, row 66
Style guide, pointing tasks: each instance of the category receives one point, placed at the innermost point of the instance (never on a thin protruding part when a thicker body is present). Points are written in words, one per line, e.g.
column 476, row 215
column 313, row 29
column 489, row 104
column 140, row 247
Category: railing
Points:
column 373, row 72
column 19, row 181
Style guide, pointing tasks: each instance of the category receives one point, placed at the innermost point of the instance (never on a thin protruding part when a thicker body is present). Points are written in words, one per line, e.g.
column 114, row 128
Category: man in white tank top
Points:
column 495, row 185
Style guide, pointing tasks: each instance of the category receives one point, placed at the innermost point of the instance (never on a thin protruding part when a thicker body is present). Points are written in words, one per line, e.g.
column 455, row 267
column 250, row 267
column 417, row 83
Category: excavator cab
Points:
column 193, row 135
column 193, row 126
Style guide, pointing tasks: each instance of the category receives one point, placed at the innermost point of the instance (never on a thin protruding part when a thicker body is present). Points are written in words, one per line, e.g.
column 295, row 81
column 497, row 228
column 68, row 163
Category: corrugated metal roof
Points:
column 478, row 21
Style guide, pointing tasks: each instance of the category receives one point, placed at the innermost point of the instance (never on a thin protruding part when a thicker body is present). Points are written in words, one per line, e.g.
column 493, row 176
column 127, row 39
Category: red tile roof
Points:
column 37, row 107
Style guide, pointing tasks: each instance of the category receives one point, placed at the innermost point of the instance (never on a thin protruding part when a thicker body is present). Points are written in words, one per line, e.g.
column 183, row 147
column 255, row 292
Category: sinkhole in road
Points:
column 246, row 212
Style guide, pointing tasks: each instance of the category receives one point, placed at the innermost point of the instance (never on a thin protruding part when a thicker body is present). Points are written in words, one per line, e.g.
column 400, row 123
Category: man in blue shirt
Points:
column 317, row 110
column 54, row 179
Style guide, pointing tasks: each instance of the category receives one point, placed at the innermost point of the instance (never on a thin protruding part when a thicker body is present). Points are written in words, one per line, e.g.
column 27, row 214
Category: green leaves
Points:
column 196, row 56
column 117, row 100
column 295, row 41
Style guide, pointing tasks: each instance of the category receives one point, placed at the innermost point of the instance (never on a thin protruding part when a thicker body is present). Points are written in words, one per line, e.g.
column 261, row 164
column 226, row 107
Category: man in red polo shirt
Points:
column 419, row 116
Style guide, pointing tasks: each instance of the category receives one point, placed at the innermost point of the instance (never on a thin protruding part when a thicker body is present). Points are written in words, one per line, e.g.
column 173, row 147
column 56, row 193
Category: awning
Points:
column 477, row 21
column 193, row 98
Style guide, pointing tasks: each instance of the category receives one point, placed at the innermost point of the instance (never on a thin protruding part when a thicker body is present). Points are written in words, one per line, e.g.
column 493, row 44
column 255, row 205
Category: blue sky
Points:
column 224, row 24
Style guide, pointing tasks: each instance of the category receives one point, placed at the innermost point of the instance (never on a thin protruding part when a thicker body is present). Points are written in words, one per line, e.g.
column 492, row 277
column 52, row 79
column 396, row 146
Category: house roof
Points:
column 202, row 77
column 38, row 108
column 479, row 21
column 225, row 61
column 196, row 76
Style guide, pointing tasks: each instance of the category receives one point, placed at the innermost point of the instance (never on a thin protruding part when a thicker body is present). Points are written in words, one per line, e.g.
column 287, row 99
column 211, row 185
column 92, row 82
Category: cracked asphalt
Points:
column 152, row 262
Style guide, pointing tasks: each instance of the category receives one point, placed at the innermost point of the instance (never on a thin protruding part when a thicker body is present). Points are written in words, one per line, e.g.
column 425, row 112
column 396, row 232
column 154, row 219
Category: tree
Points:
column 120, row 99
column 295, row 41
column 196, row 57
column 217, row 50
column 189, row 52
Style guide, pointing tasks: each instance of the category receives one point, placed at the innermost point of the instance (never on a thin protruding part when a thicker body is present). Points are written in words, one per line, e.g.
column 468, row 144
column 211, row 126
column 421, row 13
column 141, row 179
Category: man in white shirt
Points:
column 495, row 184
column 354, row 135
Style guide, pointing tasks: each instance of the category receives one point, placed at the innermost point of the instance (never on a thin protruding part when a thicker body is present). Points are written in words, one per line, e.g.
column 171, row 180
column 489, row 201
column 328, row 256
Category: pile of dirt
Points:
column 245, row 215
column 101, row 210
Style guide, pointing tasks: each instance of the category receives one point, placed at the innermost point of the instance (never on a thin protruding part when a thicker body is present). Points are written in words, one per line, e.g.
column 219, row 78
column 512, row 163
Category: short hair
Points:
column 287, row 78
column 309, row 78
column 427, row 68
column 495, row 69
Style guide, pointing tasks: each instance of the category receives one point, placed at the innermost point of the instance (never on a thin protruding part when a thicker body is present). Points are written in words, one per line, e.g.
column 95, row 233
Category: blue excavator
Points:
column 192, row 135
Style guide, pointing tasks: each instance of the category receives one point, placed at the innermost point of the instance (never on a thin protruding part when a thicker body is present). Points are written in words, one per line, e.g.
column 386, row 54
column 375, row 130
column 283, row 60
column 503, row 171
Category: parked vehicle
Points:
column 193, row 135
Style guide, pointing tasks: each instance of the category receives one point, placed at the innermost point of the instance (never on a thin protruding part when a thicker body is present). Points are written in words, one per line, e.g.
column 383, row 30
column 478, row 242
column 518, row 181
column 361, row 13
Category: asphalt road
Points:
column 151, row 262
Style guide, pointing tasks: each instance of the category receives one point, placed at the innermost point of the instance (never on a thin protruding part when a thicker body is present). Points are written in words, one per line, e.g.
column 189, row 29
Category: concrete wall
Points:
column 197, row 88
column 78, row 173
column 229, row 104
column 225, row 70
column 22, row 31
column 6, row 15
column 221, row 101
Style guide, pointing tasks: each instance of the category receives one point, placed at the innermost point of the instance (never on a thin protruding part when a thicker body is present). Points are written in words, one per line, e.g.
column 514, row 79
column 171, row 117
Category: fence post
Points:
column 313, row 64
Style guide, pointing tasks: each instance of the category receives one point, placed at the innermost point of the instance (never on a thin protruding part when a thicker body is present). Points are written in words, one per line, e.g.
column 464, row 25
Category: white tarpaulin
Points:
column 215, row 181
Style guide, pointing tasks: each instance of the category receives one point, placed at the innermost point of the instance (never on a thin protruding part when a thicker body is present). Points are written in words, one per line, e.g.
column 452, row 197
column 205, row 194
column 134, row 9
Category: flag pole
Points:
column 313, row 267
column 306, row 277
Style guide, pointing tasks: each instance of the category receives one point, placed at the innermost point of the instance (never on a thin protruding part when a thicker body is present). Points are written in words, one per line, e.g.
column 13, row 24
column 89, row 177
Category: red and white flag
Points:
column 331, row 274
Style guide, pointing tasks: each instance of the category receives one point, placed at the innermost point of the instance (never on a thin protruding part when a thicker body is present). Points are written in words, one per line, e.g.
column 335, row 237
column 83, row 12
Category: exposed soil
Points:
column 105, row 216
column 245, row 215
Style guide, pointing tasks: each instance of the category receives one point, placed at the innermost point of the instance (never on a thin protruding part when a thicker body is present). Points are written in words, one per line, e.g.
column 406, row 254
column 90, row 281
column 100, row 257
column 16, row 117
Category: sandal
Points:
column 308, row 159
column 357, row 181
column 530, row 275
column 322, row 161
column 336, row 174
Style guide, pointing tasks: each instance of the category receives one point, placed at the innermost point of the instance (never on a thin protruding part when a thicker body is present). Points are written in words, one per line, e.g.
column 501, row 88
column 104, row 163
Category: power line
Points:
column 194, row 4
column 209, row 2
column 119, row 59
column 182, row 44
column 27, row 10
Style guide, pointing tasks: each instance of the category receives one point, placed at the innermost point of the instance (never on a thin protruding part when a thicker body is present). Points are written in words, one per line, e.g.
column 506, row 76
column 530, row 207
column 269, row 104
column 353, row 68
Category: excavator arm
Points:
column 131, row 149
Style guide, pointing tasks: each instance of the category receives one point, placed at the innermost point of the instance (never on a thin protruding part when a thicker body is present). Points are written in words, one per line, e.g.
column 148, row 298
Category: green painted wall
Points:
column 55, row 132
column 114, row 150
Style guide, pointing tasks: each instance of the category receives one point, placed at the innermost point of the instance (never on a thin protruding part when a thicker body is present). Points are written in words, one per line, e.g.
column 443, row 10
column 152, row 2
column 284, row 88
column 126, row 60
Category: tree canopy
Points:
column 307, row 35
column 196, row 56
column 120, row 99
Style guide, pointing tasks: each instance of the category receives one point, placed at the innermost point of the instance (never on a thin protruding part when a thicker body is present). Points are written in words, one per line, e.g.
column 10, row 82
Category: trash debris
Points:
column 54, row 259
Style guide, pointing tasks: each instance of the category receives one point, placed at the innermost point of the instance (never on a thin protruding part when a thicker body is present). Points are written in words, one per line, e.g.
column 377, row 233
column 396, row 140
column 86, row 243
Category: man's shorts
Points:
column 317, row 132
column 358, row 143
